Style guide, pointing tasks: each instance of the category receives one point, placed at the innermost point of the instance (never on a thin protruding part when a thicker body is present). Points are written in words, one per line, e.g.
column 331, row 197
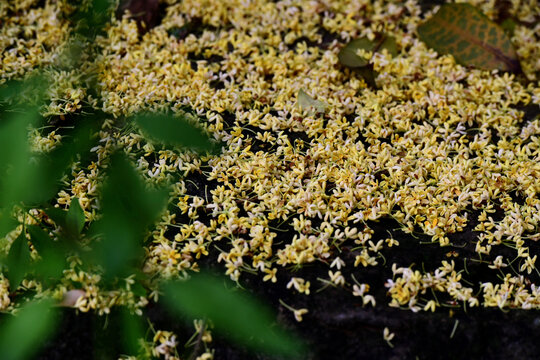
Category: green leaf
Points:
column 464, row 32
column 15, row 158
column 53, row 254
column 388, row 43
column 368, row 74
column 173, row 131
column 128, row 208
column 47, row 170
column 306, row 102
column 49, row 270
column 237, row 316
column 349, row 57
column 75, row 217
column 509, row 26
column 57, row 215
column 21, row 335
column 33, row 178
column 23, row 95
column 40, row 239
column 18, row 261
column 132, row 331
column 90, row 20
column 138, row 289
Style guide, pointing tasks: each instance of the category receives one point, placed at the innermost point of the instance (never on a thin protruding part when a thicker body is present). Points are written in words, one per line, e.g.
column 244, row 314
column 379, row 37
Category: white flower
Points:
column 388, row 336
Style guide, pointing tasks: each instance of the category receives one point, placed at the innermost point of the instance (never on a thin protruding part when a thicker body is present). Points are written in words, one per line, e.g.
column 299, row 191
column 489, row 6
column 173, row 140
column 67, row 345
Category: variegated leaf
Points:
column 464, row 32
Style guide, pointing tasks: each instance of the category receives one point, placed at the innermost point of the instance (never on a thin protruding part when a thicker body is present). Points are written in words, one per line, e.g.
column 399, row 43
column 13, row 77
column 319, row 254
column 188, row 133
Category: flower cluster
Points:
column 409, row 288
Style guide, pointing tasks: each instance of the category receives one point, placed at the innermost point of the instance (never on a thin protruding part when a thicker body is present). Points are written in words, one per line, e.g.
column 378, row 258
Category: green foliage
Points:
column 348, row 56
column 91, row 19
column 241, row 318
column 22, row 95
column 173, row 131
column 18, row 260
column 15, row 158
column 27, row 178
column 30, row 179
column 74, row 221
column 53, row 255
column 128, row 208
column 32, row 324
column 134, row 329
column 464, row 32
column 509, row 26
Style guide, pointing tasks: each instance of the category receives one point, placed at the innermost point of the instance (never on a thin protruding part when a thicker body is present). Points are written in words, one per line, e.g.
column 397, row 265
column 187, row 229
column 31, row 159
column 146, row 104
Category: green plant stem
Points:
column 198, row 342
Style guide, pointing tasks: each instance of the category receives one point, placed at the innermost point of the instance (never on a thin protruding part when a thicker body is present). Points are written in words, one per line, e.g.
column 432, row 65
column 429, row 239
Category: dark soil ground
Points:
column 337, row 325
column 339, row 328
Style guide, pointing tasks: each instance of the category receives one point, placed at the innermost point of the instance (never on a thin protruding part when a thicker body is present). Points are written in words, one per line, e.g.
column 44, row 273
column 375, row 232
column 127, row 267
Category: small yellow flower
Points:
column 528, row 264
column 298, row 314
column 431, row 305
column 270, row 275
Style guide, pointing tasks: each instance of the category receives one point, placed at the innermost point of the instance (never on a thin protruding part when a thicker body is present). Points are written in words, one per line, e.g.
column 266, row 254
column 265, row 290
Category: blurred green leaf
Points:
column 40, row 239
column 16, row 165
column 23, row 95
column 90, row 20
column 75, row 217
column 53, row 254
column 67, row 241
column 36, row 182
column 306, row 102
column 462, row 31
column 173, row 131
column 18, row 261
column 26, row 177
column 128, row 208
column 138, row 289
column 132, row 330
column 50, row 269
column 22, row 334
column 57, row 215
column 15, row 158
column 33, row 179
column 235, row 315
